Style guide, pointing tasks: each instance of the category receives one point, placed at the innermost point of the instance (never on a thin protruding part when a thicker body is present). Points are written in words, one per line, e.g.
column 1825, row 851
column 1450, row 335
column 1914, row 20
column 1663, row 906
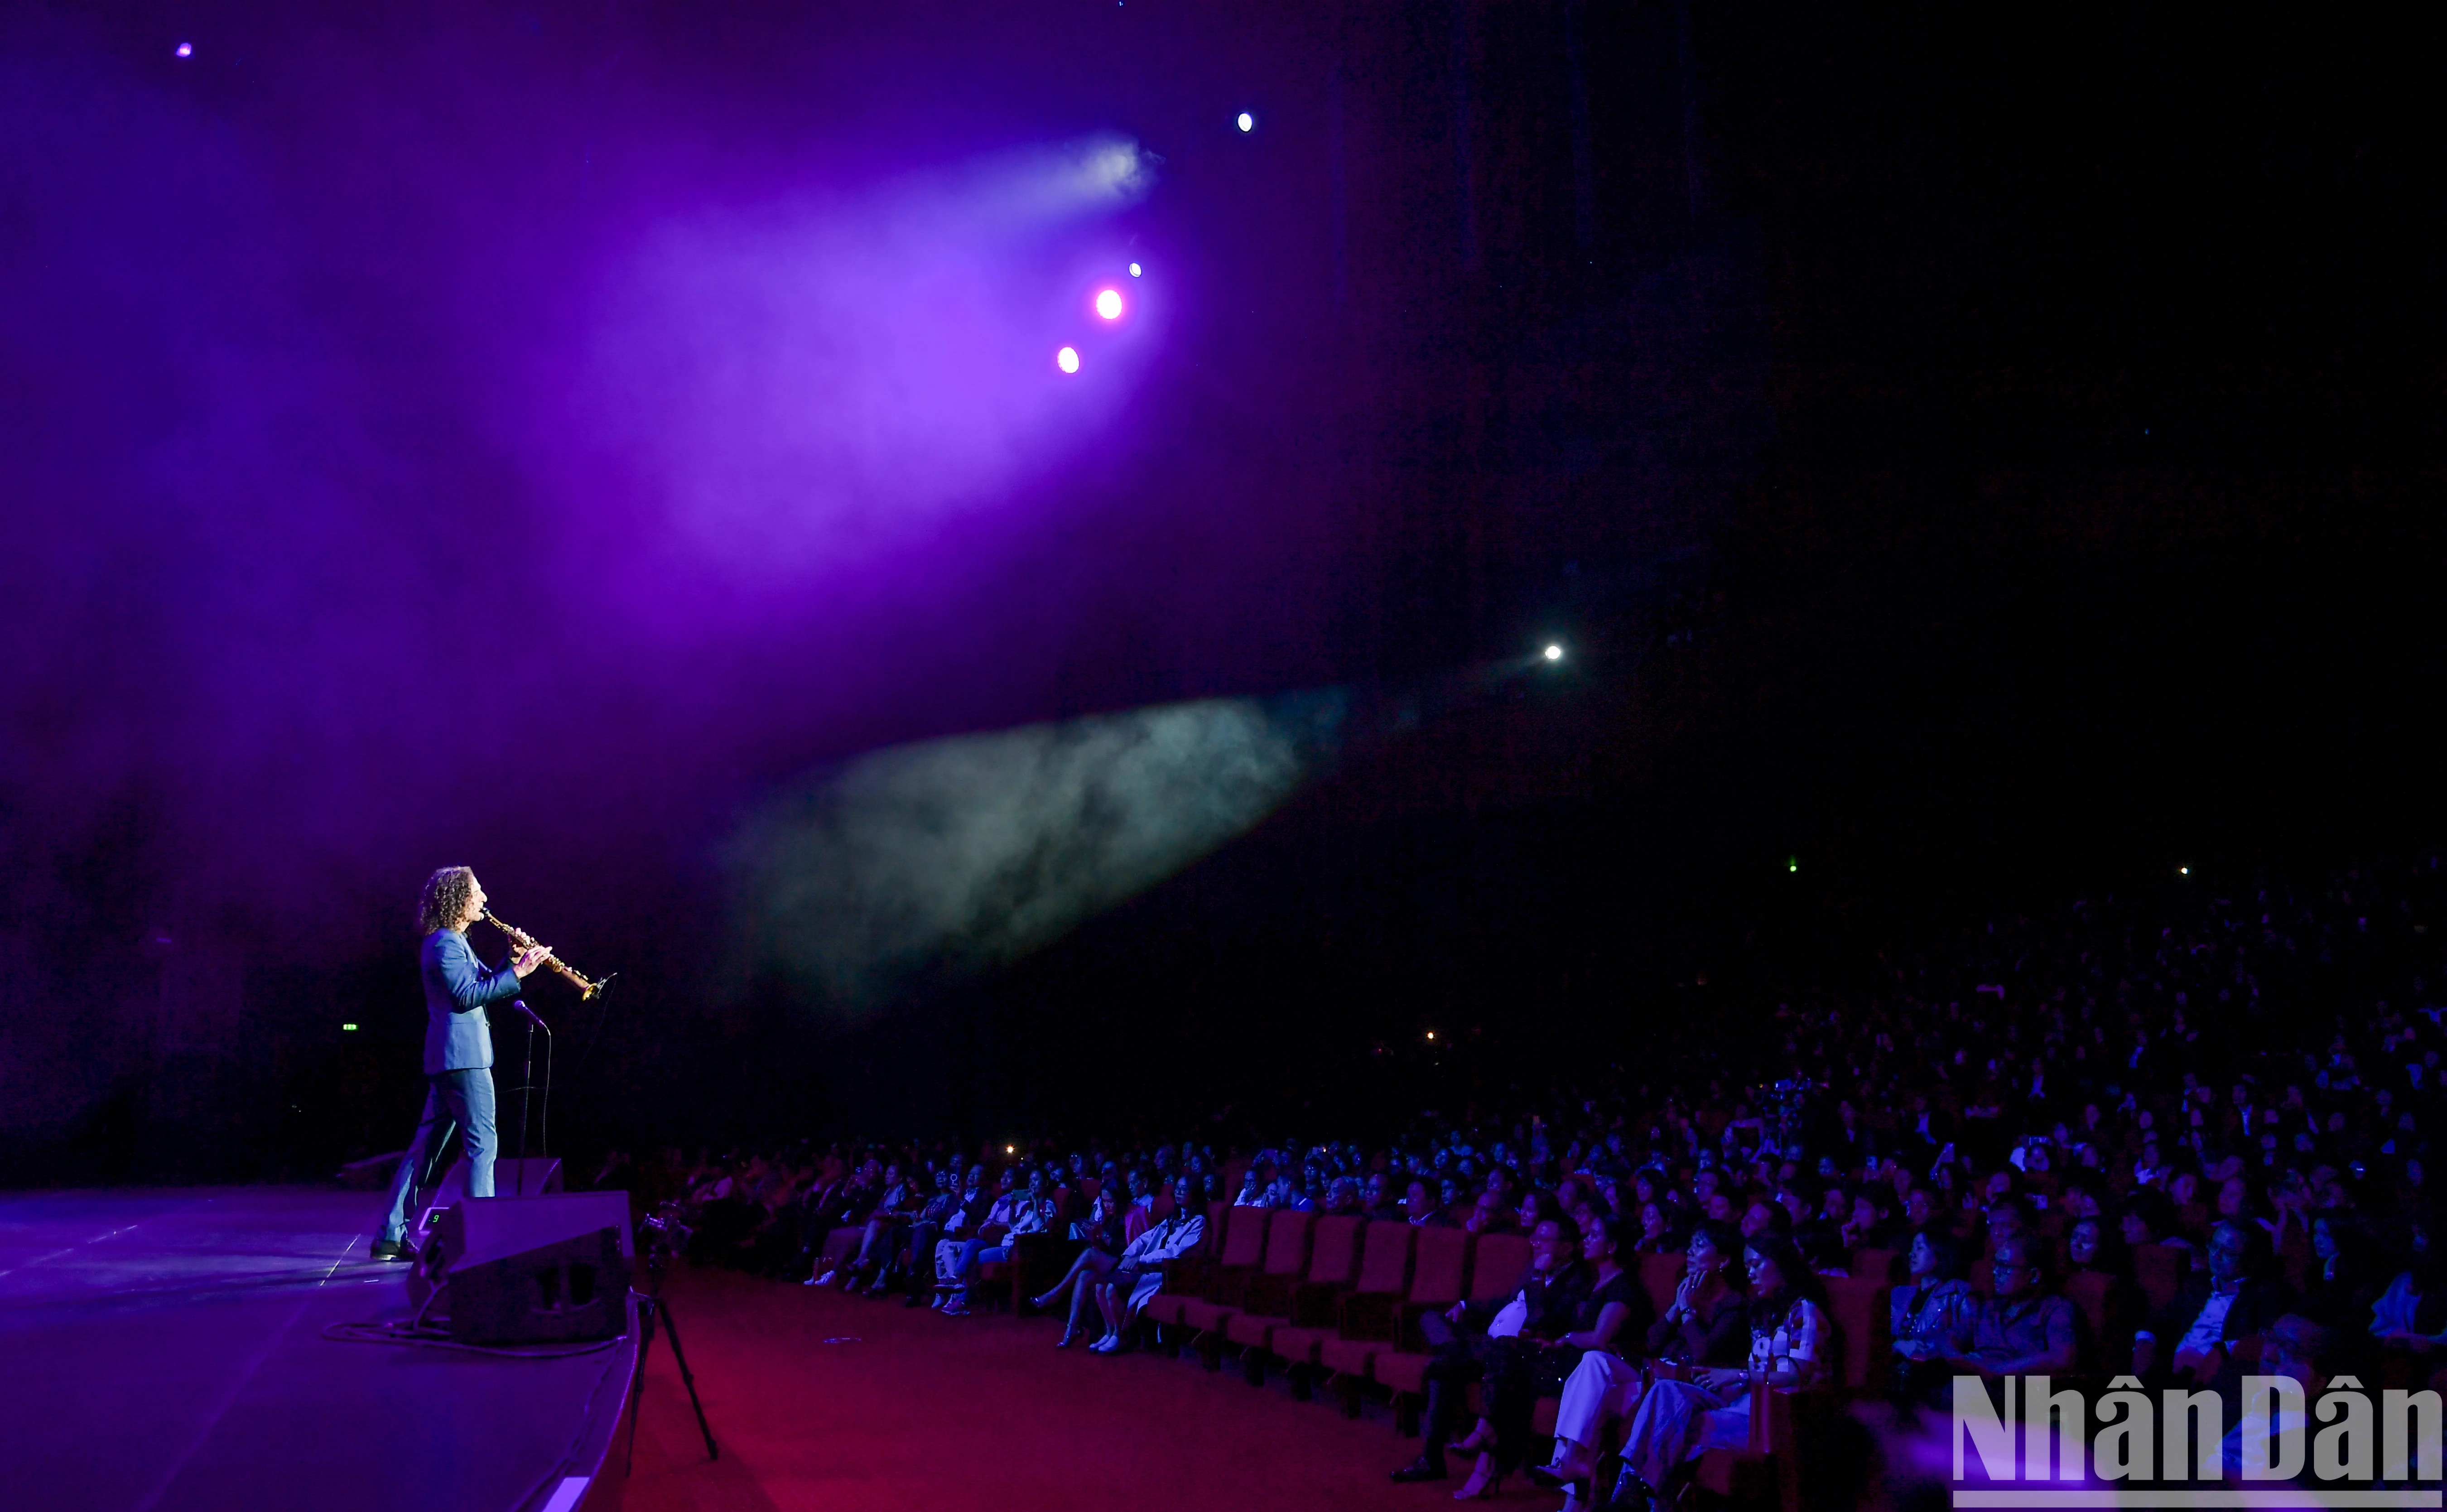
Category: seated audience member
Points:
column 1034, row 1212
column 1102, row 1232
column 1706, row 1327
column 2214, row 1322
column 2341, row 1289
column 1139, row 1274
column 1139, row 1211
column 2020, row 1329
column 889, row 1220
column 1657, row 1234
column 1867, row 1225
column 1929, row 1317
column 2150, row 1218
column 1257, row 1185
column 982, row 1219
column 1791, row 1348
column 932, row 1222
column 1341, row 1198
column 1822, row 1247
column 2412, row 1313
column 1420, row 1207
column 1616, row 1311
column 1491, row 1216
column 2300, row 1350
column 2091, row 1246
column 1378, row 1201
column 1543, row 1306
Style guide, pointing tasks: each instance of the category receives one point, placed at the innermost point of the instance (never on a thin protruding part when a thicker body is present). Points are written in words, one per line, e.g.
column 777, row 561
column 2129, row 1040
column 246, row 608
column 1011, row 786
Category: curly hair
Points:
column 444, row 899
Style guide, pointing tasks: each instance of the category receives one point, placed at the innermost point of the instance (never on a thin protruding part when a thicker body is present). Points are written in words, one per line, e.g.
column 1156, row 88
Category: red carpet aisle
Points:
column 979, row 1415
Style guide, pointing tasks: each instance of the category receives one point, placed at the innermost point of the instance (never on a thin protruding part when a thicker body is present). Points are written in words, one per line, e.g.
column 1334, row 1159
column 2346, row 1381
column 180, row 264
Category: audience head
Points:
column 1602, row 1240
column 1714, row 1248
column 1936, row 1255
column 1776, row 1270
column 2015, row 1269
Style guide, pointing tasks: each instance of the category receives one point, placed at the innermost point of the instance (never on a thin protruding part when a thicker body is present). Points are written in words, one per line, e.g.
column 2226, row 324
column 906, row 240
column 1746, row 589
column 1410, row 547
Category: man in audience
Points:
column 1544, row 1305
column 2212, row 1326
column 2019, row 1330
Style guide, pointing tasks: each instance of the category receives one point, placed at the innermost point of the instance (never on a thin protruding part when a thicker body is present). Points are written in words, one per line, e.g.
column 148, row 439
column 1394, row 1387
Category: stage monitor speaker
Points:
column 533, row 1177
column 530, row 1270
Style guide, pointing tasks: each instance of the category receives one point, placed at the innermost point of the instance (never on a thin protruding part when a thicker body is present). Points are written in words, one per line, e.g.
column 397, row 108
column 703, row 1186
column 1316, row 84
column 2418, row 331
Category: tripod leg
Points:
column 671, row 1325
column 638, row 1386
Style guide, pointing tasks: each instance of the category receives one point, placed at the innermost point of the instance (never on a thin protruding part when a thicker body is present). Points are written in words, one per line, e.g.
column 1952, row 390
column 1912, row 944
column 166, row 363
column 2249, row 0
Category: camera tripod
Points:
column 651, row 1306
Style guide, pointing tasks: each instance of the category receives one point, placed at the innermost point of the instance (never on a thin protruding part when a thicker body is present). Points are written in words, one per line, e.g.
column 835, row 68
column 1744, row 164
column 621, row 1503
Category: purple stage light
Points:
column 185, row 49
column 1067, row 359
column 1109, row 304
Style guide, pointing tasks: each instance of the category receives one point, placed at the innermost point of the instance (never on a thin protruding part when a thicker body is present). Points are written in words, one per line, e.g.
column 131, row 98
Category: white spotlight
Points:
column 1554, row 653
column 1247, row 122
column 1067, row 359
column 1134, row 270
column 1109, row 304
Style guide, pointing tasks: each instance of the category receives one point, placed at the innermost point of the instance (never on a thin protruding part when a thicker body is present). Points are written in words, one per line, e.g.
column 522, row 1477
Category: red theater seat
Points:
column 1334, row 1258
column 1367, row 1311
column 1285, row 1241
column 1659, row 1274
column 1438, row 1273
column 1497, row 1261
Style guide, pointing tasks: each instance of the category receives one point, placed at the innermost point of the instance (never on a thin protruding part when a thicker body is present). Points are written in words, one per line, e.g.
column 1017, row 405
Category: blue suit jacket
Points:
column 457, row 986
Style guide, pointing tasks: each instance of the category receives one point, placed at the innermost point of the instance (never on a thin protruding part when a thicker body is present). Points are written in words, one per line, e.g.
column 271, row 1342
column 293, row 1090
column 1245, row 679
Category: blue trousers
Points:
column 453, row 1100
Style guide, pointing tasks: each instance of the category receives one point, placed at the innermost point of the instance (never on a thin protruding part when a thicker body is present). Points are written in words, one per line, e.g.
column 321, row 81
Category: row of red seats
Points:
column 1337, row 1302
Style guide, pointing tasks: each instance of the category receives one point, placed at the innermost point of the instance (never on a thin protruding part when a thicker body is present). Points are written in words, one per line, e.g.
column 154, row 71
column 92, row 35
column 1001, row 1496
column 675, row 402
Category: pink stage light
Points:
column 1109, row 304
column 1067, row 359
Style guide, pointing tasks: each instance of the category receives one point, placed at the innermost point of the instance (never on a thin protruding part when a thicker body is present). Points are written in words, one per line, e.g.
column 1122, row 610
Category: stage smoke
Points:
column 925, row 862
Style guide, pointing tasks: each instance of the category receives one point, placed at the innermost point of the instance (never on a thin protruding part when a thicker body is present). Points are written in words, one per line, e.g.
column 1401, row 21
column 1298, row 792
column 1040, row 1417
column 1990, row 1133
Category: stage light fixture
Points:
column 185, row 49
column 1134, row 270
column 348, row 1029
column 1247, row 122
column 1067, row 359
column 1109, row 304
column 1554, row 653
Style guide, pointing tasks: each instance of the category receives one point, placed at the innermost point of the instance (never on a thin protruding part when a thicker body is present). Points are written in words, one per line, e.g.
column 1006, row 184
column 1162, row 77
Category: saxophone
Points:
column 523, row 941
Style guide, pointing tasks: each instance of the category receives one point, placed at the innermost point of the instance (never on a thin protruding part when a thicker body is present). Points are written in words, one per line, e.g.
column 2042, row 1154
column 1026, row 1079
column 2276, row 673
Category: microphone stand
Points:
column 527, row 1087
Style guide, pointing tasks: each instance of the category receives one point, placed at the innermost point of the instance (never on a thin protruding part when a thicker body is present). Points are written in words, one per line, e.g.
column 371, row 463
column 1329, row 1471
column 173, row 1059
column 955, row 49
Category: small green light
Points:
column 348, row 1029
column 1793, row 863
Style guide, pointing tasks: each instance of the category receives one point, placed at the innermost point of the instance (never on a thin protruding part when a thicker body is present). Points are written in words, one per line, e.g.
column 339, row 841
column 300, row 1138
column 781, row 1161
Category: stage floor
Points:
column 162, row 1351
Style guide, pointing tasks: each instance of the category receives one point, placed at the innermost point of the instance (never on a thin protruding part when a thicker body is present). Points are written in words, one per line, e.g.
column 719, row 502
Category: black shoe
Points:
column 391, row 1249
column 1546, row 1476
column 1630, row 1494
column 1422, row 1469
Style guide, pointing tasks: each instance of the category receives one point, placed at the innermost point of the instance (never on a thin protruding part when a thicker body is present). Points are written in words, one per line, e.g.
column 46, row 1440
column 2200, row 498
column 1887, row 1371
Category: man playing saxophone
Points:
column 458, row 1044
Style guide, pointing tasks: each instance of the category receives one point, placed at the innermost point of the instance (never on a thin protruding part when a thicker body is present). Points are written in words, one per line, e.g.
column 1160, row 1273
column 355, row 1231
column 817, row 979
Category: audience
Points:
column 2220, row 1099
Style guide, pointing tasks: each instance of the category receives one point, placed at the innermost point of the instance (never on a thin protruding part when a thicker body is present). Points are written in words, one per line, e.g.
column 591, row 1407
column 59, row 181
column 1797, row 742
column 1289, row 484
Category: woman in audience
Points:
column 1616, row 1304
column 1790, row 1349
column 1705, row 1329
column 1929, row 1317
column 2340, row 1290
column 1102, row 1231
column 1656, row 1235
column 2412, row 1313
